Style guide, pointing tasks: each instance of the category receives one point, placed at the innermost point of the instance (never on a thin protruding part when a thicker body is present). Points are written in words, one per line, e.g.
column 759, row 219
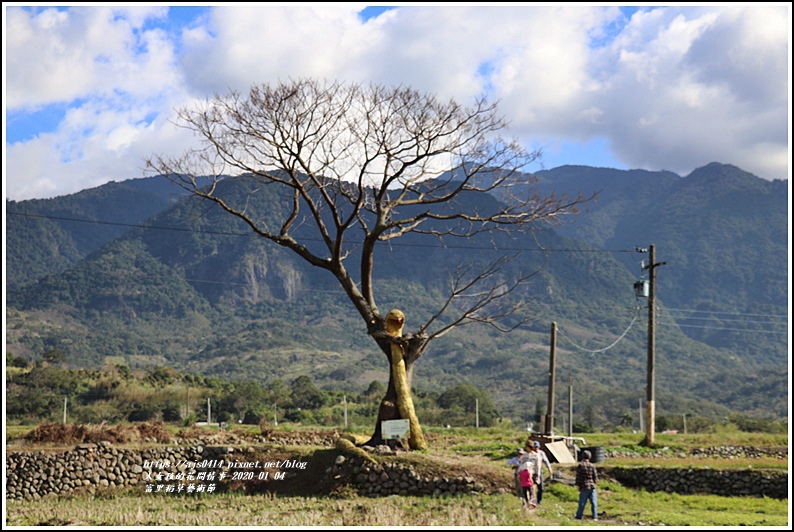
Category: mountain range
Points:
column 139, row 273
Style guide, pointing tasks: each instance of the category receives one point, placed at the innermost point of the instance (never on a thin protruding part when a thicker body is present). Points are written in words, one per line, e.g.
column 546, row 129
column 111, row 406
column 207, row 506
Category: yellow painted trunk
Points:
column 405, row 404
column 395, row 320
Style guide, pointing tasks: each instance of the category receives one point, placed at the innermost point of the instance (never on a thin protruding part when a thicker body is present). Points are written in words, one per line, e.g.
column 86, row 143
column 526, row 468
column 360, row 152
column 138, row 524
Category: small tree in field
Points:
column 366, row 165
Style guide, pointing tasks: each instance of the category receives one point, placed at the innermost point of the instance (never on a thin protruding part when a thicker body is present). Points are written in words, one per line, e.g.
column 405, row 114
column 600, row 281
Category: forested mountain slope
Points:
column 194, row 289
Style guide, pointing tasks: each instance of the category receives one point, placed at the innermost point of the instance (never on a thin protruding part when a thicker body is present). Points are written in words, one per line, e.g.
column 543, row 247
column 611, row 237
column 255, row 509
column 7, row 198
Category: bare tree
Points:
column 364, row 165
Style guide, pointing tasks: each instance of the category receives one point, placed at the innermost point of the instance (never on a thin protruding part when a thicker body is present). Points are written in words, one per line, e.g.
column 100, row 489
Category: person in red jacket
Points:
column 525, row 477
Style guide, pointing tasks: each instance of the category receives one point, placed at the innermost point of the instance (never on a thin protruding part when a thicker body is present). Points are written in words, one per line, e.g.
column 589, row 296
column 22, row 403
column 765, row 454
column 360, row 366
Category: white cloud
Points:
column 241, row 46
column 434, row 49
column 687, row 91
column 543, row 73
column 98, row 141
column 744, row 50
column 119, row 81
column 58, row 56
column 675, row 88
column 95, row 147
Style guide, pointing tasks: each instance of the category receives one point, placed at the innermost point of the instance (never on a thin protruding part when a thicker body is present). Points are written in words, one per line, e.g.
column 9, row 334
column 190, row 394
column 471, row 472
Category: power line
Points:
column 687, row 318
column 729, row 313
column 587, row 306
column 676, row 324
column 610, row 346
column 719, row 320
column 723, row 328
column 251, row 234
column 680, row 317
column 137, row 226
column 206, row 281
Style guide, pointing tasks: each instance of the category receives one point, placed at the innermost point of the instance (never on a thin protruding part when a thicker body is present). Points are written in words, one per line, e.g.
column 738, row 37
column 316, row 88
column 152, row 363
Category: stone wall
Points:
column 377, row 480
column 729, row 482
column 200, row 468
column 733, row 482
column 724, row 451
column 205, row 468
column 91, row 466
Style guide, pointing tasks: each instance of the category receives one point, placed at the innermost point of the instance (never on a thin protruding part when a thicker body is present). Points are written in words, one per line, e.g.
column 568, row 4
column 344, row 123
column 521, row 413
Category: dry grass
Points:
column 618, row 506
column 231, row 510
column 68, row 433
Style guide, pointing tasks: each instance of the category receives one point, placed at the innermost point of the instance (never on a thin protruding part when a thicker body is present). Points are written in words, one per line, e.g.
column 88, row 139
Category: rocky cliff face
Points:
column 256, row 276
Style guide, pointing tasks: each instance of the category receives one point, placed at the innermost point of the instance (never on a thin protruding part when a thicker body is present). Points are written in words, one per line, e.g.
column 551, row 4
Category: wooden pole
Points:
column 642, row 426
column 650, row 405
column 549, row 429
column 570, row 406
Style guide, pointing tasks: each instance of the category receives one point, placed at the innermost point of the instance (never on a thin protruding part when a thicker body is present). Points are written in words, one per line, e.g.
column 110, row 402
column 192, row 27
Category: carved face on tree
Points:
column 395, row 320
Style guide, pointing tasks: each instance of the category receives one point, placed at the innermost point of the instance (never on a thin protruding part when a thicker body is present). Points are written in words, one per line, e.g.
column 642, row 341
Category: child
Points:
column 533, row 460
column 525, row 477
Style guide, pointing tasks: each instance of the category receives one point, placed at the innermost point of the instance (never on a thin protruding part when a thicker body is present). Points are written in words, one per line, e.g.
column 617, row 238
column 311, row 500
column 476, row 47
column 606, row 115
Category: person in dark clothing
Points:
column 586, row 480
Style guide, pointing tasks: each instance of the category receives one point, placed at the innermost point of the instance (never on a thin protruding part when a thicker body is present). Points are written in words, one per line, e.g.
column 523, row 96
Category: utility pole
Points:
column 570, row 406
column 209, row 412
column 64, row 410
column 650, row 405
column 549, row 429
column 639, row 401
column 344, row 398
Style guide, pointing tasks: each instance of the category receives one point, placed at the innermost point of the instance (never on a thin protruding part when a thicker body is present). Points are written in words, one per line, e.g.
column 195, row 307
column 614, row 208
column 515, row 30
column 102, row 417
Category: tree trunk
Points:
column 401, row 352
column 397, row 403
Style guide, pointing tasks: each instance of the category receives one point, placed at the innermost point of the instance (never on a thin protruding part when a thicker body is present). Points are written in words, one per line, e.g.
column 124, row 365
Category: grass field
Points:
column 618, row 506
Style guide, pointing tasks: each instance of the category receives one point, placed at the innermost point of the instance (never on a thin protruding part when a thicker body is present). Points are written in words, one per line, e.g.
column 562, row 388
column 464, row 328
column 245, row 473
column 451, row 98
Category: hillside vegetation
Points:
column 45, row 391
column 188, row 288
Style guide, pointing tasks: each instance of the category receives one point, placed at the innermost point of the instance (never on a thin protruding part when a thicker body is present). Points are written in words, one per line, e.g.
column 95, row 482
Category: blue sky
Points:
column 89, row 91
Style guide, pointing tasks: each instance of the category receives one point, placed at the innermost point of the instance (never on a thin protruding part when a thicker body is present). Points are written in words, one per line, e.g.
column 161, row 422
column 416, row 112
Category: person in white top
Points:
column 515, row 462
column 538, row 474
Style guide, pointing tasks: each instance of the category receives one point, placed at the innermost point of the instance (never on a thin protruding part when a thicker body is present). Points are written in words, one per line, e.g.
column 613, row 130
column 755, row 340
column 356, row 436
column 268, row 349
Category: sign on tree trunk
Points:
column 395, row 428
